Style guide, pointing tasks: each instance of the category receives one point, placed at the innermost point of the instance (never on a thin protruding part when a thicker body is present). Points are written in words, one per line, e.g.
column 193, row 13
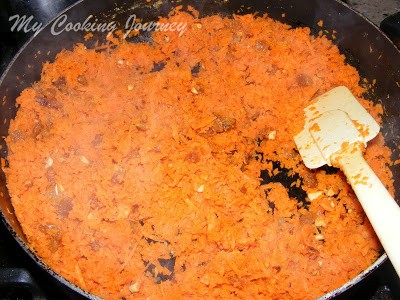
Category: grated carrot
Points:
column 158, row 150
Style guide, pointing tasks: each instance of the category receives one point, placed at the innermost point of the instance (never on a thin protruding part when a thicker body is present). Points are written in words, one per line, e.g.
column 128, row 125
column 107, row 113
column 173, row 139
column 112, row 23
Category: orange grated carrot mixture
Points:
column 135, row 172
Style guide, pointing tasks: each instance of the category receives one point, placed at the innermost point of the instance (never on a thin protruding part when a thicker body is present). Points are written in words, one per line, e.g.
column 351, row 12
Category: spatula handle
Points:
column 380, row 207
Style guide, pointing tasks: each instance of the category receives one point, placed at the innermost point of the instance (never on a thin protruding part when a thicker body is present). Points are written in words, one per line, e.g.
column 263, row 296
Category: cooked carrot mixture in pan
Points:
column 168, row 170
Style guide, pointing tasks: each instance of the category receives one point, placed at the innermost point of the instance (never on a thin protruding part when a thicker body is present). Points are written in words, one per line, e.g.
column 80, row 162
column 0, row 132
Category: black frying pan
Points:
column 365, row 46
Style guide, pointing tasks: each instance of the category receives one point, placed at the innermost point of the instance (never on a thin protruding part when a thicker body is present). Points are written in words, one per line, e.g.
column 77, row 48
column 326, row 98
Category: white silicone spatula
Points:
column 336, row 131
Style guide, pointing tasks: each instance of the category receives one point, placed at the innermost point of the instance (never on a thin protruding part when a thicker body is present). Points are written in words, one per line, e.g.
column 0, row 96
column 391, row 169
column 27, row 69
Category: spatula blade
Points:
column 335, row 118
column 331, row 131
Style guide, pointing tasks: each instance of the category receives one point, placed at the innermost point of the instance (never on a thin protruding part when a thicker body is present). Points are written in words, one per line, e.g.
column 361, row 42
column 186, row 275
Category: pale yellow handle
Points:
column 379, row 206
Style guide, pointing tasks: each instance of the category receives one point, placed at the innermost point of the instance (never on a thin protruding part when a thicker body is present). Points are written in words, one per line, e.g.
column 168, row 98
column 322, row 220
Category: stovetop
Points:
column 34, row 282
column 22, row 279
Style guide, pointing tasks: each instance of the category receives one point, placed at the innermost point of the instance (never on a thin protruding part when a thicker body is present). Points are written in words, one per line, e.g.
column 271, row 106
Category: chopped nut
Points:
column 320, row 263
column 319, row 237
column 330, row 193
column 205, row 279
column 320, row 223
column 120, row 62
column 166, row 38
column 134, row 288
column 49, row 162
column 272, row 135
column 194, row 91
column 314, row 195
column 332, row 204
column 61, row 188
column 84, row 160
column 200, row 189
column 130, row 87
